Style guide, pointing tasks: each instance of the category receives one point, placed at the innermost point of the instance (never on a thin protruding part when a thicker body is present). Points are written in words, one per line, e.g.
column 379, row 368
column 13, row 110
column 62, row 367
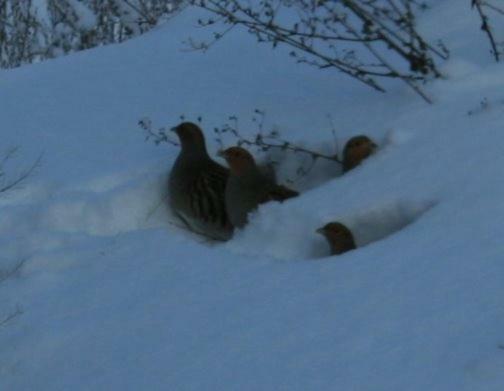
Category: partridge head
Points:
column 356, row 150
column 340, row 238
column 191, row 137
column 240, row 160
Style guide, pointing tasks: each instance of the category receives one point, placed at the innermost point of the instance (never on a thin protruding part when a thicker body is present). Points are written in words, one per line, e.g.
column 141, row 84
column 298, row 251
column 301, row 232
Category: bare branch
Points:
column 12, row 272
column 10, row 185
column 365, row 27
column 26, row 36
column 157, row 136
column 485, row 24
column 13, row 315
column 270, row 140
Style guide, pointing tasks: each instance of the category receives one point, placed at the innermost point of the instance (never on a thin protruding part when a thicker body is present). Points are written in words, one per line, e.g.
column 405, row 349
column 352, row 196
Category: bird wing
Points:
column 206, row 195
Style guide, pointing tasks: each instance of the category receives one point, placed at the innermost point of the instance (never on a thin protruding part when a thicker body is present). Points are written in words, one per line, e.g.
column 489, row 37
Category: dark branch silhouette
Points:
column 481, row 6
column 7, row 184
column 356, row 37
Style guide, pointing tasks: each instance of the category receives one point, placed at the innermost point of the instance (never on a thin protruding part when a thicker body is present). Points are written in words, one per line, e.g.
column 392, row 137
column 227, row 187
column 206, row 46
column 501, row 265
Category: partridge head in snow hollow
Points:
column 340, row 238
column 197, row 186
column 356, row 150
column 248, row 186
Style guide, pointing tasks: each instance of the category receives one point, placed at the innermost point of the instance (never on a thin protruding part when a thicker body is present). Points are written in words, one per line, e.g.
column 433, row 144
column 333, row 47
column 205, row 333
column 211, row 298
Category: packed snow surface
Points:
column 101, row 290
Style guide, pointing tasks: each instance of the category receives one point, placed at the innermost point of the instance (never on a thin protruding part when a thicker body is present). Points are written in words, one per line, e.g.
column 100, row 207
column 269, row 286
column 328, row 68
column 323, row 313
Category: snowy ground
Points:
column 113, row 297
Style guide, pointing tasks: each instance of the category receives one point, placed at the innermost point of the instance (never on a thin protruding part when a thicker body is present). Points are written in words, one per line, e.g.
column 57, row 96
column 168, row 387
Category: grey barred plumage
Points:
column 197, row 185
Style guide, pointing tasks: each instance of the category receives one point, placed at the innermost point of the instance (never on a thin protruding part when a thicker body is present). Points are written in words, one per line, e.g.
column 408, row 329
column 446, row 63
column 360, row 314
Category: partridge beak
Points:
column 374, row 147
column 174, row 129
column 320, row 231
column 221, row 153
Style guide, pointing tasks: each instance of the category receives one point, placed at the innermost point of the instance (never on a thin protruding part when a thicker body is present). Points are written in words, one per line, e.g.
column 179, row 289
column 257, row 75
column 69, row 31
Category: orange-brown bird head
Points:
column 356, row 150
column 339, row 237
column 239, row 159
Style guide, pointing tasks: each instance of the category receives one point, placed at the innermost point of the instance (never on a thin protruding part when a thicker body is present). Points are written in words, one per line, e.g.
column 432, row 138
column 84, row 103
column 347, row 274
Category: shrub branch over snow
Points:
column 7, row 183
column 355, row 37
column 484, row 8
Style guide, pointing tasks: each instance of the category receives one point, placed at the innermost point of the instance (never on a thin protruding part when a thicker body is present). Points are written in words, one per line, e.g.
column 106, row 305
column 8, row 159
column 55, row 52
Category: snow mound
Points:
column 111, row 295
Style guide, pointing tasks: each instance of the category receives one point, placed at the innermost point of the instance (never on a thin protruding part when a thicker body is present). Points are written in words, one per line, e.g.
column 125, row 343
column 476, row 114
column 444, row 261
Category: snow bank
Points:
column 111, row 295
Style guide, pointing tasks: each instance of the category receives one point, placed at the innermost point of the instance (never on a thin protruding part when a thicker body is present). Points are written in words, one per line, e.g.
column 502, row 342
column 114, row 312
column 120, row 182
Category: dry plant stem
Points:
column 27, row 173
column 142, row 13
column 259, row 140
column 8, row 318
column 493, row 7
column 485, row 26
column 391, row 24
column 288, row 146
column 393, row 71
column 158, row 136
column 333, row 132
column 276, row 34
column 13, row 271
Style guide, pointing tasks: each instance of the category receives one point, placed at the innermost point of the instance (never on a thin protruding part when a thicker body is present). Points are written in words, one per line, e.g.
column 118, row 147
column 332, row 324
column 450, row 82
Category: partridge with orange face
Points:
column 340, row 238
column 356, row 150
column 197, row 186
column 248, row 187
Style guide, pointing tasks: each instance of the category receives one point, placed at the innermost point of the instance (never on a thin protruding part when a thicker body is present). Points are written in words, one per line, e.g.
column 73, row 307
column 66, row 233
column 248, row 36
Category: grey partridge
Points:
column 248, row 186
column 197, row 186
column 340, row 238
column 356, row 150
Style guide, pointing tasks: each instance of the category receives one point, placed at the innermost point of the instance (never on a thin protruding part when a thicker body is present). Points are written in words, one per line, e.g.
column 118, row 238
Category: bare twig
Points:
column 157, row 136
column 270, row 140
column 10, row 185
column 26, row 36
column 8, row 318
column 315, row 37
column 10, row 273
column 485, row 25
column 333, row 132
column 493, row 7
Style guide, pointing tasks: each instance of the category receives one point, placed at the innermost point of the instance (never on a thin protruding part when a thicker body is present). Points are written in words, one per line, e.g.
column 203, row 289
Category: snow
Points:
column 115, row 297
column 85, row 16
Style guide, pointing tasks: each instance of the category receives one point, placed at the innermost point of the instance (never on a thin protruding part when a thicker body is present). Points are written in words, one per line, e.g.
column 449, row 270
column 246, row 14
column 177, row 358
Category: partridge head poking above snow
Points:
column 197, row 185
column 248, row 187
column 356, row 150
column 340, row 238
